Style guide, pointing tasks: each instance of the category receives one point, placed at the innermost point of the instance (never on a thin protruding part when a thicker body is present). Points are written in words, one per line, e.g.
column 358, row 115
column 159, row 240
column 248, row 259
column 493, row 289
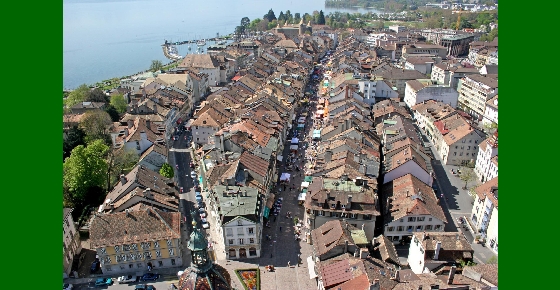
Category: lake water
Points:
column 113, row 38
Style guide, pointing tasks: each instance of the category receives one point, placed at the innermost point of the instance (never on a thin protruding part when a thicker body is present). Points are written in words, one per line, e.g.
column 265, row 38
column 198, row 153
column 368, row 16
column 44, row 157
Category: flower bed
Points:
column 250, row 278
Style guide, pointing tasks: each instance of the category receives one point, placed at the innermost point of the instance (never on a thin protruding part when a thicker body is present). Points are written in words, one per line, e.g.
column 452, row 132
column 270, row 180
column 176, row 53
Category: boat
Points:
column 222, row 42
column 201, row 42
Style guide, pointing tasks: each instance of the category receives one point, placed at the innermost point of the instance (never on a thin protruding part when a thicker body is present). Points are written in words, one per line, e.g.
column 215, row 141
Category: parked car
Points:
column 100, row 282
column 191, row 165
column 200, row 210
column 199, row 198
column 95, row 265
column 144, row 287
column 127, row 279
column 150, row 277
column 202, row 215
column 66, row 286
column 193, row 175
column 205, row 223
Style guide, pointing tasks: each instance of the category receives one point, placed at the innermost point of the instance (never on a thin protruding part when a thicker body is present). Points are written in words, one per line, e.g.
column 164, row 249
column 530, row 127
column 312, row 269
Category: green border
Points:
column 32, row 143
column 250, row 269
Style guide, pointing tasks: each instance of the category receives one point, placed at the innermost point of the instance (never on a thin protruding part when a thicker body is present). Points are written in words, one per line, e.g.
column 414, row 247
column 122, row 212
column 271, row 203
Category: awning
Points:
column 301, row 196
column 311, row 268
column 294, row 147
column 279, row 158
column 308, row 178
column 305, row 184
column 295, row 140
column 300, row 125
column 320, row 112
column 301, row 120
column 266, row 212
column 285, row 176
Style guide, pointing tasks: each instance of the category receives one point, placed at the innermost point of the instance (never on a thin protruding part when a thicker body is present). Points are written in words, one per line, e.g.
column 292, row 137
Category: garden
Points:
column 250, row 278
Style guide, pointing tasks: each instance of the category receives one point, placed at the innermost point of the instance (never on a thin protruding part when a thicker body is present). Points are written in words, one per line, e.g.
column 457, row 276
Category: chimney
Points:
column 349, row 201
column 434, row 287
column 148, row 123
column 147, row 193
column 246, row 173
column 424, row 236
column 451, row 275
column 130, row 123
column 155, row 108
column 457, row 236
column 328, row 156
column 126, row 132
column 438, row 248
column 123, row 179
column 345, row 246
column 348, row 123
column 126, row 210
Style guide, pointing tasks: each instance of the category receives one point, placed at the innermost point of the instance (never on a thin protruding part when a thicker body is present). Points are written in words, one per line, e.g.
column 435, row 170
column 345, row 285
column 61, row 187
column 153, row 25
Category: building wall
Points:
column 154, row 161
column 409, row 167
column 490, row 116
column 416, row 254
column 398, row 229
column 440, row 76
column 132, row 258
column 462, row 151
column 202, row 134
column 483, row 161
column 446, row 95
column 138, row 146
column 237, row 235
column 481, row 216
column 492, row 233
column 71, row 243
column 472, row 97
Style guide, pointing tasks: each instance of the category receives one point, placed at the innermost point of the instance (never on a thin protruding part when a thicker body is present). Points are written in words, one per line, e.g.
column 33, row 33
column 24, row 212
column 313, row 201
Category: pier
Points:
column 167, row 48
column 192, row 41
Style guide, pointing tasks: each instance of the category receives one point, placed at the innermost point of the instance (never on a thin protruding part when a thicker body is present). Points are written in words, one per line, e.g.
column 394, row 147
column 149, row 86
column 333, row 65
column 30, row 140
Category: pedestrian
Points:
column 274, row 218
column 271, row 255
column 288, row 263
column 280, row 228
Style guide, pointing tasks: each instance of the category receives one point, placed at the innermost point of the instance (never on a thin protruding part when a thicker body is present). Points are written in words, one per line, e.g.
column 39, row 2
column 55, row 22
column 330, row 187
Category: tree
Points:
column 297, row 18
column 167, row 171
column 110, row 109
column 472, row 193
column 77, row 96
column 321, row 18
column 263, row 25
column 239, row 30
column 84, row 171
column 492, row 260
column 156, row 65
column 270, row 15
column 96, row 95
column 281, row 16
column 467, row 175
column 95, row 123
column 119, row 161
column 74, row 137
column 289, row 17
column 119, row 103
column 245, row 21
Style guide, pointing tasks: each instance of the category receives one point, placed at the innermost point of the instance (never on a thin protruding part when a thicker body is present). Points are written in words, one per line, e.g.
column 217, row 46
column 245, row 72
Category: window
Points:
column 239, row 222
column 251, row 241
column 367, row 216
column 418, row 228
column 333, row 205
column 241, row 241
column 400, row 228
column 429, row 219
column 462, row 147
column 160, row 263
column 240, row 231
column 103, row 251
column 134, row 247
column 438, row 227
column 125, row 247
column 173, row 262
column 409, row 228
column 108, row 268
column 158, row 254
column 456, row 147
column 145, row 245
column 171, row 252
column 230, row 241
column 140, row 266
column 467, row 154
column 229, row 232
column 117, row 249
column 454, row 153
column 475, row 141
column 156, row 244
column 428, row 227
column 251, row 231
column 169, row 243
column 252, row 251
column 469, row 147
column 463, row 141
column 420, row 219
column 130, row 266
column 402, row 220
column 412, row 219
column 390, row 229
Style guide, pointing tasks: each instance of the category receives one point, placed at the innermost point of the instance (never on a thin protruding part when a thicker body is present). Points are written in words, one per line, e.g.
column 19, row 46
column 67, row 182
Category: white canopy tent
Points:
column 295, row 140
column 285, row 177
column 304, row 184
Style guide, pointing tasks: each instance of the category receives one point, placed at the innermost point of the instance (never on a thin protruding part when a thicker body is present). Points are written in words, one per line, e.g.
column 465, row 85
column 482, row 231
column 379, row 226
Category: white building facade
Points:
column 484, row 168
column 242, row 238
column 491, row 112
column 405, row 226
column 414, row 94
column 70, row 241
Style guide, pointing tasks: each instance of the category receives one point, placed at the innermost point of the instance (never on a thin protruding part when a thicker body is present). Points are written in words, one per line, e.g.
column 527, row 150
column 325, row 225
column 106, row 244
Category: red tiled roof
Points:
column 254, row 163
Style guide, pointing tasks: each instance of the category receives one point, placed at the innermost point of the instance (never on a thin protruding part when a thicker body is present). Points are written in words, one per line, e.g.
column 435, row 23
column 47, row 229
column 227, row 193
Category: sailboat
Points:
column 201, row 42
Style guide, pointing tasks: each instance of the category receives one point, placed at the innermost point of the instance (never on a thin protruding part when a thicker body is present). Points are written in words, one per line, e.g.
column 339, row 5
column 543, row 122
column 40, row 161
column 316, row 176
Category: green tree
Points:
column 167, row 171
column 119, row 103
column 254, row 24
column 239, row 30
column 96, row 95
column 156, row 65
column 74, row 137
column 119, row 161
column 84, row 171
column 281, row 16
column 321, row 18
column 467, row 175
column 297, row 18
column 95, row 124
column 289, row 17
column 245, row 21
column 110, row 109
column 272, row 24
column 492, row 260
column 77, row 96
column 270, row 15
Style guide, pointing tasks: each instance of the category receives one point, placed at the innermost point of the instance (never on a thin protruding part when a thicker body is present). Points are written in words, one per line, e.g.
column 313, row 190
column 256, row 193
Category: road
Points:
column 161, row 284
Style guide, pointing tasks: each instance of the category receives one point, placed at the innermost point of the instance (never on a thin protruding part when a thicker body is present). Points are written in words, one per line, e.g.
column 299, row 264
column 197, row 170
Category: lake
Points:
column 103, row 39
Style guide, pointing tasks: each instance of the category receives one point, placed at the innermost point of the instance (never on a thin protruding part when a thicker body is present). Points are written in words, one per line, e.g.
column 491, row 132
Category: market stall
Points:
column 295, row 141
